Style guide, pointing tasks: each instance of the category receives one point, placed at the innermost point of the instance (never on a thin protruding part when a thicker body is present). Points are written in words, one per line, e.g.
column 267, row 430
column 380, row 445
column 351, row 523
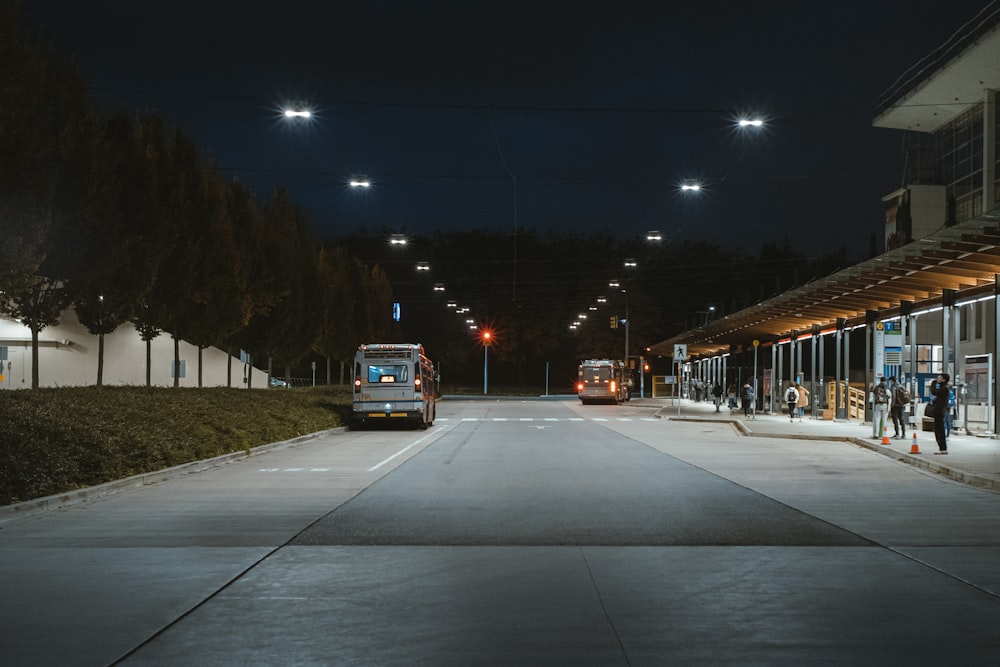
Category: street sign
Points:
column 680, row 352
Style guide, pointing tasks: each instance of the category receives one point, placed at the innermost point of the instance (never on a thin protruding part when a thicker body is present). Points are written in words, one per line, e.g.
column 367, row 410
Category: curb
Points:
column 92, row 493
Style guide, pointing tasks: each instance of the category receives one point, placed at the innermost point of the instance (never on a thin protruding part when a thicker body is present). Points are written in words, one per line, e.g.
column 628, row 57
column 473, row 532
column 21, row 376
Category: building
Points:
column 67, row 356
column 936, row 284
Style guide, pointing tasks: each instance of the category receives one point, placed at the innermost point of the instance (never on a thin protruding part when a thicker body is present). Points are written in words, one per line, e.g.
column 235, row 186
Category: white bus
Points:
column 603, row 381
column 393, row 382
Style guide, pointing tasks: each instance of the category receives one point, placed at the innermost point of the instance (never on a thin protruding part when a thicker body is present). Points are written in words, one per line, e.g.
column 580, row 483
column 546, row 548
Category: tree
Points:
column 42, row 102
column 336, row 335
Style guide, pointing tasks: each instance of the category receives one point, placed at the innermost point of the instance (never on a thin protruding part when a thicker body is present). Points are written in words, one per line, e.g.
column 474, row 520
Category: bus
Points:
column 603, row 381
column 393, row 382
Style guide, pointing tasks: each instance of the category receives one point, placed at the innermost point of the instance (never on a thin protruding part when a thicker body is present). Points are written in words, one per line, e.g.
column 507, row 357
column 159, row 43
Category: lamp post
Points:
column 487, row 337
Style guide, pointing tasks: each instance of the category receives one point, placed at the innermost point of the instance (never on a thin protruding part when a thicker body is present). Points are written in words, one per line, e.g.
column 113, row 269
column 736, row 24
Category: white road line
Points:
column 577, row 419
column 499, row 419
column 527, row 419
column 551, row 419
column 400, row 452
column 599, row 419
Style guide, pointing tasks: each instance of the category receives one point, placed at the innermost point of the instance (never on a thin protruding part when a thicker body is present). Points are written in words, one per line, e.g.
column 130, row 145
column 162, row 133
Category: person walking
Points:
column 900, row 398
column 941, row 393
column 748, row 399
column 792, row 398
column 803, row 399
column 717, row 395
column 880, row 408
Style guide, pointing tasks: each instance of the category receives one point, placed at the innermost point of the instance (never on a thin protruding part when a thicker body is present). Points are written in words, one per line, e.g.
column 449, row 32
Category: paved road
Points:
column 518, row 532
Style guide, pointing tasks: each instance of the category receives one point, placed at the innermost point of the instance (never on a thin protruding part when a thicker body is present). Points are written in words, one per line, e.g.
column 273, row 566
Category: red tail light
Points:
column 614, row 386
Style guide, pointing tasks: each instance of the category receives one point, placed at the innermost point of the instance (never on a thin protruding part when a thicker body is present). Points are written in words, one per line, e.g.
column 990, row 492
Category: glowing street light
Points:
column 423, row 266
column 654, row 235
column 298, row 113
column 630, row 264
column 359, row 183
column 750, row 122
column 438, row 287
column 397, row 239
column 690, row 186
column 613, row 283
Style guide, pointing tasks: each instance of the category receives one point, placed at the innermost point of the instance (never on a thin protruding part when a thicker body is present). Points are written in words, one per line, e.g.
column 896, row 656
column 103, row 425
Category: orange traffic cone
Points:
column 913, row 448
column 885, row 434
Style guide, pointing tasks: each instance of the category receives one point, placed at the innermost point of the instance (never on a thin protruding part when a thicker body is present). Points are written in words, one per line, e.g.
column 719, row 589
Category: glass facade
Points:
column 959, row 156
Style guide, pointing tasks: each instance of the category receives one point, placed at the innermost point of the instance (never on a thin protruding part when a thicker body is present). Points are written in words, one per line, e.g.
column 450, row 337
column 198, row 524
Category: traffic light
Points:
column 614, row 321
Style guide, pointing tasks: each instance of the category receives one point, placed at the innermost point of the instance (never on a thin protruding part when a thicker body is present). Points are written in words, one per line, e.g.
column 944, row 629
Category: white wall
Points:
column 67, row 356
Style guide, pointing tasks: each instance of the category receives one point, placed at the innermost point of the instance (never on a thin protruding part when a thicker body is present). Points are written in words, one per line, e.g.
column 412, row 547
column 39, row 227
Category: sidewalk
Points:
column 972, row 460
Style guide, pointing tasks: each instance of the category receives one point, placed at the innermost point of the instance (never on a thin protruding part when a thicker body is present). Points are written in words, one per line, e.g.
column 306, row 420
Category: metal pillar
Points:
column 812, row 372
column 838, row 391
column 847, row 370
column 947, row 301
column 774, row 366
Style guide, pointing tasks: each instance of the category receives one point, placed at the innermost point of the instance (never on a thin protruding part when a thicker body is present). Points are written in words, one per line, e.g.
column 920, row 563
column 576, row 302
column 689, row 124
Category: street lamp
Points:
column 397, row 239
column 297, row 113
column 750, row 122
column 630, row 264
column 487, row 337
column 359, row 183
column 654, row 235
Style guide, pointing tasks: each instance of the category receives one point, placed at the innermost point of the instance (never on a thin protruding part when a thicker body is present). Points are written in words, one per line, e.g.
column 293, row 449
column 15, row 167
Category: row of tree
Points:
column 121, row 218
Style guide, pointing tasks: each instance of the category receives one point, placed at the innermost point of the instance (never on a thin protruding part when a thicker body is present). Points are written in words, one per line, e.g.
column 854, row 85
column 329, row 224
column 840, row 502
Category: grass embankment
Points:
column 57, row 440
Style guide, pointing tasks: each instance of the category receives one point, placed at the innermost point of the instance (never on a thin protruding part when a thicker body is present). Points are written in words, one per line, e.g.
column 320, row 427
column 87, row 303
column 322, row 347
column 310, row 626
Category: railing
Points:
column 855, row 400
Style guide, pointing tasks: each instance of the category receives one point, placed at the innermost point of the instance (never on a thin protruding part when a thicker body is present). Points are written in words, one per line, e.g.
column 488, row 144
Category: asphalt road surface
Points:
column 517, row 532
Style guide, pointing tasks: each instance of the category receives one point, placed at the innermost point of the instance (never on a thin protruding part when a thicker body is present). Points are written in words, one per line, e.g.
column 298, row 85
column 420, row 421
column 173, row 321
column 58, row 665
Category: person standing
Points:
column 942, row 394
column 900, row 397
column 803, row 399
column 792, row 398
column 880, row 408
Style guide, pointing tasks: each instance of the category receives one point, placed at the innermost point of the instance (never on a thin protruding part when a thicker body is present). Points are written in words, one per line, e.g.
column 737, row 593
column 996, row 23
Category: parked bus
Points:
column 603, row 381
column 393, row 382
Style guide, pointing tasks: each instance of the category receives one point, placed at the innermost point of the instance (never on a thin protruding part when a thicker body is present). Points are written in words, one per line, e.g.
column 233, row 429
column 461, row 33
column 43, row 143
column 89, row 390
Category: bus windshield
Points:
column 392, row 373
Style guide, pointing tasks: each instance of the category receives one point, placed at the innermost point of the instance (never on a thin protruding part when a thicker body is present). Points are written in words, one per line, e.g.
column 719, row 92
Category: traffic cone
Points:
column 913, row 448
column 885, row 434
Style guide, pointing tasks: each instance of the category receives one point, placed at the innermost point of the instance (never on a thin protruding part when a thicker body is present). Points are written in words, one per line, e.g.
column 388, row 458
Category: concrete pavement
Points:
column 971, row 459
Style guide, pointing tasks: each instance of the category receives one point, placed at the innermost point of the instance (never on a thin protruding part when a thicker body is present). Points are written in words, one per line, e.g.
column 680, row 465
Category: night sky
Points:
column 562, row 116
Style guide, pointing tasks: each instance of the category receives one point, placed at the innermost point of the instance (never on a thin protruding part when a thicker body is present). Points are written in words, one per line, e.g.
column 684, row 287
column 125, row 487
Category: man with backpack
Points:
column 880, row 408
column 792, row 398
column 900, row 398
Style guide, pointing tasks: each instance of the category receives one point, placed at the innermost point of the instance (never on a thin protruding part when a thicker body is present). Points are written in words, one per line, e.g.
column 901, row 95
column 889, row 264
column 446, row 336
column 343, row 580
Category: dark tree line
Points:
column 530, row 287
column 120, row 217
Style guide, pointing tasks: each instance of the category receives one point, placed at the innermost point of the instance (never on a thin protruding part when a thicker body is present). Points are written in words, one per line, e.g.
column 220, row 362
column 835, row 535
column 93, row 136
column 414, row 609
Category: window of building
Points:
column 959, row 150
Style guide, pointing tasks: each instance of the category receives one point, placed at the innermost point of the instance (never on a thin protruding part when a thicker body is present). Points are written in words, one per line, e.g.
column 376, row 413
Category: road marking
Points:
column 400, row 452
column 551, row 419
